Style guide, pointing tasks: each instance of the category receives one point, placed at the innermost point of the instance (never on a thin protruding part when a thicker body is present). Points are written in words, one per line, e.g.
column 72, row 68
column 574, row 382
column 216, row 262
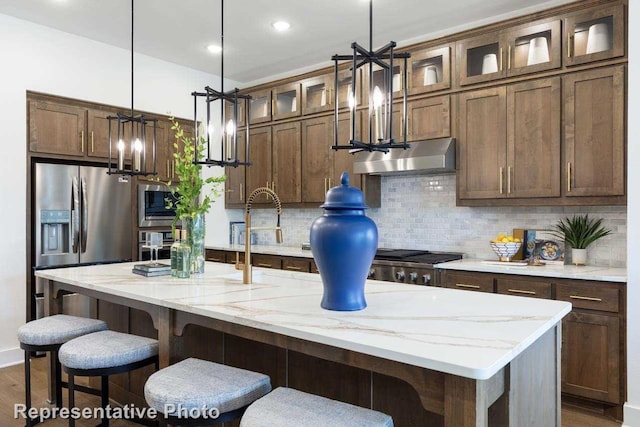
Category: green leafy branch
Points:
column 187, row 191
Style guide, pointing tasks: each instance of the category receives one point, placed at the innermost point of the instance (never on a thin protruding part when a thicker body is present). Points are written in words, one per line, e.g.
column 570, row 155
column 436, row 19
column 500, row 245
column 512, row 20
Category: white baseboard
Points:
column 10, row 357
column 631, row 416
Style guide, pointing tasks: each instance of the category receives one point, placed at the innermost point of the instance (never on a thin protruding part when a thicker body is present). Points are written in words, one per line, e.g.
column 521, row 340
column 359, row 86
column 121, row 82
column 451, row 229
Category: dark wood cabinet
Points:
column 467, row 281
column 286, row 101
column 523, row 49
column 594, row 123
column 267, row 261
column 429, row 70
column 316, row 94
column 260, row 106
column 317, row 170
column 522, row 286
column 429, row 118
column 57, row 128
column 286, row 158
column 259, row 173
column 510, row 141
column 595, row 34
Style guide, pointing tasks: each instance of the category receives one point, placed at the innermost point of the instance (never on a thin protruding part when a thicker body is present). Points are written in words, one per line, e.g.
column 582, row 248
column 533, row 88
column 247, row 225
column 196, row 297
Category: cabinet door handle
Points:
column 329, row 183
column 215, row 259
column 82, row 141
column 325, row 184
column 501, row 179
column 585, row 298
column 500, row 59
column 463, row 285
column 509, row 58
column 293, row 267
column 173, row 169
column 521, row 291
column 569, row 45
column 508, row 179
column 265, row 265
column 568, row 176
column 241, row 193
column 92, row 142
column 167, row 169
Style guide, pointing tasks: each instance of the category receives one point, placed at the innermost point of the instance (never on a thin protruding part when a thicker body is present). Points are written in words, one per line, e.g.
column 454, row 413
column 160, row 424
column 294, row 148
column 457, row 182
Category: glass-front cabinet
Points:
column 286, row 101
column 260, row 106
column 429, row 70
column 595, row 34
column 344, row 87
column 228, row 112
column 519, row 50
column 380, row 79
column 316, row 94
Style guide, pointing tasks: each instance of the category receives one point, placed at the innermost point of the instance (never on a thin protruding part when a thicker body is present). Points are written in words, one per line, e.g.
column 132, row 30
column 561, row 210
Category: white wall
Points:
column 45, row 60
column 632, row 407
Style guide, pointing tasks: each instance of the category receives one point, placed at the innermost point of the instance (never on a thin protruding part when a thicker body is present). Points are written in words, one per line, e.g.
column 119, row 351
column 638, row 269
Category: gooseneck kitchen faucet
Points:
column 246, row 266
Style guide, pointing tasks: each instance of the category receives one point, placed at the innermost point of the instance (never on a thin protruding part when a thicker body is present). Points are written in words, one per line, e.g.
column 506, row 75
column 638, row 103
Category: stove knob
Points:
column 400, row 276
column 413, row 277
column 372, row 272
column 426, row 279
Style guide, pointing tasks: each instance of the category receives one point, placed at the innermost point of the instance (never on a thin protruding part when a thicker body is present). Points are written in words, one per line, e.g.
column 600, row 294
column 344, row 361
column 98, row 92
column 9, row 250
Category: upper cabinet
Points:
column 260, row 106
column 343, row 88
column 57, row 128
column 286, row 101
column 242, row 112
column 514, row 51
column 316, row 94
column 595, row 34
column 429, row 70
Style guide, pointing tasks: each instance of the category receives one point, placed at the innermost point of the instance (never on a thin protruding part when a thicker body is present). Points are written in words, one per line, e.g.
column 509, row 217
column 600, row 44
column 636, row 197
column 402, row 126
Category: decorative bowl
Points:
column 505, row 251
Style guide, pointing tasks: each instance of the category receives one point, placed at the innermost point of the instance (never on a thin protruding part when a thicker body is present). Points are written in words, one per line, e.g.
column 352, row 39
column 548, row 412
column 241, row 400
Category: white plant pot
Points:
column 579, row 256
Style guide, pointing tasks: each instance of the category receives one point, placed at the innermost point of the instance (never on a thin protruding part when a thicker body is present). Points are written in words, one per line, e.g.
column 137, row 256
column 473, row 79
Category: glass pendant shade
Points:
column 384, row 78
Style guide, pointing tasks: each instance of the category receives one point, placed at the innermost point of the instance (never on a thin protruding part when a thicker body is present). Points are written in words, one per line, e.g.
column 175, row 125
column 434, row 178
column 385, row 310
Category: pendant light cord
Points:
column 370, row 25
column 222, row 46
column 132, row 58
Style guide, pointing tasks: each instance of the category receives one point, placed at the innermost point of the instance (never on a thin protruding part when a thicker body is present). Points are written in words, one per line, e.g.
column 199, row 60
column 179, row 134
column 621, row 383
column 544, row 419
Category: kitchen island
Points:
column 473, row 359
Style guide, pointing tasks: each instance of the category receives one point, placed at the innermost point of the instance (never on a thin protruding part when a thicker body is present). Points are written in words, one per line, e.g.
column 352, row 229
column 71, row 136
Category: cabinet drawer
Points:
column 215, row 255
column 231, row 257
column 590, row 295
column 469, row 281
column 267, row 261
column 314, row 267
column 523, row 287
column 296, row 264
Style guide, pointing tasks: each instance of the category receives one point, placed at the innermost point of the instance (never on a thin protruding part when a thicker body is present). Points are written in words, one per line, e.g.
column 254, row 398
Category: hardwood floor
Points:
column 12, row 392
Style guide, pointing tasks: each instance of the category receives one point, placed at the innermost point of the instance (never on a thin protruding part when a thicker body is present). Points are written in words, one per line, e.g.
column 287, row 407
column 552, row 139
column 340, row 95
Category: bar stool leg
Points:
column 72, row 402
column 58, row 380
column 104, row 399
column 27, row 385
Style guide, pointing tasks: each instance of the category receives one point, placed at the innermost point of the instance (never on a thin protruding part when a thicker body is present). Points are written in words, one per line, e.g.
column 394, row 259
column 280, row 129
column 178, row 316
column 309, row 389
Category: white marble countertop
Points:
column 267, row 250
column 588, row 272
column 471, row 334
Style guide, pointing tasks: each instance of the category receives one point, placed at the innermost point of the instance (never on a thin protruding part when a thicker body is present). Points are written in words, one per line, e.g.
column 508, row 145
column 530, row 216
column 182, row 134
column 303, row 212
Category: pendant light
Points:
column 132, row 131
column 380, row 117
column 226, row 131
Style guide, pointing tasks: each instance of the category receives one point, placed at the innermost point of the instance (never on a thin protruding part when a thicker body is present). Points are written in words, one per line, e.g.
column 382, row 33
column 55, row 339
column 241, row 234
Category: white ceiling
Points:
column 179, row 31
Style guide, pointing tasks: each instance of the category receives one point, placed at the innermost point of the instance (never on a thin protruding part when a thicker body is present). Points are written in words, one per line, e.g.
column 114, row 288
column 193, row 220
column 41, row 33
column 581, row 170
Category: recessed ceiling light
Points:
column 214, row 48
column 281, row 25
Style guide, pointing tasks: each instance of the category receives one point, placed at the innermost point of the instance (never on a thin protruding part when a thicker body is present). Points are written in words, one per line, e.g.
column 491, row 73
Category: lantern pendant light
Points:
column 380, row 117
column 227, row 130
column 132, row 130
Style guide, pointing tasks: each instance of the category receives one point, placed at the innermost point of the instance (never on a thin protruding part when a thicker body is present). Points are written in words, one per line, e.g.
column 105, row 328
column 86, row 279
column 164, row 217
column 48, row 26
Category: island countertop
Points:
column 470, row 334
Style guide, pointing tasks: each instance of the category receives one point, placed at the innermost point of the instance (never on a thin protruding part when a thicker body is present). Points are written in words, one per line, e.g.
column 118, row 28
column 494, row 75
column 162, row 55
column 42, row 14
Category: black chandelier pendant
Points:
column 228, row 126
column 380, row 123
column 132, row 129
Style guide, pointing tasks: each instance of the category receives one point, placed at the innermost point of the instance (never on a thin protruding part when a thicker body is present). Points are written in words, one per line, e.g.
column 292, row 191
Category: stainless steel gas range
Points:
column 408, row 266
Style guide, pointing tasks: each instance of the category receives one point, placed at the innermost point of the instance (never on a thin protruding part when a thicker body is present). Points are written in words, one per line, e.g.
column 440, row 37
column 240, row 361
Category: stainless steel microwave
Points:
column 152, row 206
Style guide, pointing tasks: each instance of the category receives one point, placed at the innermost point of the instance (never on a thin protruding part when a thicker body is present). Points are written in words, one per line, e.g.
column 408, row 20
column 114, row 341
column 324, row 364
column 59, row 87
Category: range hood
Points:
column 431, row 156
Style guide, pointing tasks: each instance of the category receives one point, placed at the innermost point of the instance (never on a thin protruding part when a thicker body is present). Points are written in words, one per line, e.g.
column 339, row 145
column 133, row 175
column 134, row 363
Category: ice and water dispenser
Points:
column 56, row 226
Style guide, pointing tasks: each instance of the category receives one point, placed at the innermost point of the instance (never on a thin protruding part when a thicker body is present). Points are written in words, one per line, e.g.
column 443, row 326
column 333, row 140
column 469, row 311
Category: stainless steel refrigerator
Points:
column 81, row 215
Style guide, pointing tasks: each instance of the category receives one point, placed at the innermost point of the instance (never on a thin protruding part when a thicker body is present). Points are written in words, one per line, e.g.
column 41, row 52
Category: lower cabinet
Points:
column 593, row 334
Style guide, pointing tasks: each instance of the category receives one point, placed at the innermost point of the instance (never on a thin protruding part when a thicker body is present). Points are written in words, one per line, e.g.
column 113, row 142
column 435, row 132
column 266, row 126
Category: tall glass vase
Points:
column 195, row 239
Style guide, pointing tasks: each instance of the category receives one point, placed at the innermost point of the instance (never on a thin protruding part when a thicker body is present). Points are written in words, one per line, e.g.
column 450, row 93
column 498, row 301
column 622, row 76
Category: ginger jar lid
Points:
column 344, row 196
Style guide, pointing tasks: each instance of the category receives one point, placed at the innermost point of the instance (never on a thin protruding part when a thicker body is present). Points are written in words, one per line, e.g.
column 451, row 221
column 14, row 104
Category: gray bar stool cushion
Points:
column 195, row 383
column 106, row 349
column 285, row 407
column 58, row 329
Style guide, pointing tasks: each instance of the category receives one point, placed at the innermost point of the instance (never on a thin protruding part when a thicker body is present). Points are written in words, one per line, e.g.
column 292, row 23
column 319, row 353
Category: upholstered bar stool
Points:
column 285, row 407
column 105, row 353
column 48, row 334
column 196, row 391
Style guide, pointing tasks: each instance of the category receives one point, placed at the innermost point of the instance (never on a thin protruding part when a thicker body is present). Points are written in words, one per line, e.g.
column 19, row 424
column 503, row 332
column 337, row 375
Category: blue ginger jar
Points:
column 344, row 242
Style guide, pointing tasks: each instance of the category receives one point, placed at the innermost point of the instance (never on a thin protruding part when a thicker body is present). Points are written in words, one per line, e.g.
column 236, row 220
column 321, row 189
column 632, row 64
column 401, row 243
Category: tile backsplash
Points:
column 420, row 212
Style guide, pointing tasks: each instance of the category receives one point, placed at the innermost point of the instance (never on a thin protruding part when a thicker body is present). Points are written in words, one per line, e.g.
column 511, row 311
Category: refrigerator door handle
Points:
column 85, row 215
column 75, row 216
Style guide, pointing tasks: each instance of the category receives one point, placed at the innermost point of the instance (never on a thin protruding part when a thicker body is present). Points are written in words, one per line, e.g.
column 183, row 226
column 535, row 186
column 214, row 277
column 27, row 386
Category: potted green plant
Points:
column 579, row 232
column 191, row 200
